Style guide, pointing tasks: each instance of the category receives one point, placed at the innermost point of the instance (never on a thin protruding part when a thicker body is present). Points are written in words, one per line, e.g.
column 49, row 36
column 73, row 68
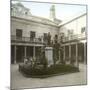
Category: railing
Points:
column 74, row 37
column 40, row 41
column 27, row 39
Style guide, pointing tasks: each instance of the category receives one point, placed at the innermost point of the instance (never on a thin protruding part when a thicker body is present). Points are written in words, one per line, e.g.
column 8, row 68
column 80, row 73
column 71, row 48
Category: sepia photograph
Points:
column 48, row 44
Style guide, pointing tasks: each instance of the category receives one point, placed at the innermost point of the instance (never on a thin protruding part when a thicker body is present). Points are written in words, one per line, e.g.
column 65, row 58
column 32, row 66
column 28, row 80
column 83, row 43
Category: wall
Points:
column 40, row 28
column 27, row 26
column 75, row 25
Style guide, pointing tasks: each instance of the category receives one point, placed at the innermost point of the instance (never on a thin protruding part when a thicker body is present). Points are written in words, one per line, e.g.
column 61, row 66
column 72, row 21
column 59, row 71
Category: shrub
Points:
column 54, row 69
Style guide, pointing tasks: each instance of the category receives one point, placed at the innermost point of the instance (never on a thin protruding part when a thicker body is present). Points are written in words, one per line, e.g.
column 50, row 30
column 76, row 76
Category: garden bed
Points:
column 47, row 72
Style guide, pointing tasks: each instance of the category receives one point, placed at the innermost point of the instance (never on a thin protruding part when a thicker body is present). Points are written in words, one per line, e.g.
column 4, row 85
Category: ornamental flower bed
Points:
column 41, row 72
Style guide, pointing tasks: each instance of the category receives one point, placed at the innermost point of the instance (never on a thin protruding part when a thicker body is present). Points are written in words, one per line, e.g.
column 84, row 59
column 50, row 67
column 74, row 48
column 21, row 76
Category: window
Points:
column 83, row 29
column 32, row 35
column 19, row 33
column 70, row 32
column 45, row 37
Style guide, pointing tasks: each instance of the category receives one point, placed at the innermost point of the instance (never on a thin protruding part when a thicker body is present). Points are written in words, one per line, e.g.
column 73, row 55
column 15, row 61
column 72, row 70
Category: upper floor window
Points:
column 45, row 36
column 83, row 29
column 32, row 35
column 19, row 33
column 70, row 32
column 62, row 36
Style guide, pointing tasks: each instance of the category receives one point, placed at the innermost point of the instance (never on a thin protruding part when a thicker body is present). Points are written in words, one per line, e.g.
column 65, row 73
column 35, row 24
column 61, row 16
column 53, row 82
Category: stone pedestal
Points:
column 49, row 55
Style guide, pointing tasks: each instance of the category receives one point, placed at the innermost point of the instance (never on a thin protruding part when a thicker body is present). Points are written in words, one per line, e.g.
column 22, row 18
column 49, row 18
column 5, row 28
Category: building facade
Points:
column 28, row 34
column 74, row 41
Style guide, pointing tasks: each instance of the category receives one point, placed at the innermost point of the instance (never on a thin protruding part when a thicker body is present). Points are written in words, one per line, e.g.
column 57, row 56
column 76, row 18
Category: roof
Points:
column 36, row 19
column 21, row 14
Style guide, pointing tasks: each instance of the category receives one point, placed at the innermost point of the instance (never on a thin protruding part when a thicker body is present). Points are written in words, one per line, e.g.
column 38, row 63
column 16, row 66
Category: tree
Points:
column 56, row 47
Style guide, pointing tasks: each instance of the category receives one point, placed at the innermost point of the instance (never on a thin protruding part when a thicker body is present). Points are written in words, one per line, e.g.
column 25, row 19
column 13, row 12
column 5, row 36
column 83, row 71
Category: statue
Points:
column 49, row 39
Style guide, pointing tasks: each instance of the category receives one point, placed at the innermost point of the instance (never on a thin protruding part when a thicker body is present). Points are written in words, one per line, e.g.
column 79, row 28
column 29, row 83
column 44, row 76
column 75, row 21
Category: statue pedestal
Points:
column 49, row 55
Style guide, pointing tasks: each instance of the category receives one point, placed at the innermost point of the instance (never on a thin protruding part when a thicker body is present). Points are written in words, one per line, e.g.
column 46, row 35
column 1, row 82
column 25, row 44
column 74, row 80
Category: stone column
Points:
column 33, row 51
column 77, row 62
column 25, row 51
column 70, row 53
column 34, row 48
column 64, row 54
column 59, row 54
column 84, row 53
column 15, row 52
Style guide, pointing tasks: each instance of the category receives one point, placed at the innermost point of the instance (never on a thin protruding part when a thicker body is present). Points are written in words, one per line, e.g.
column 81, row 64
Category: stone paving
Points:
column 19, row 81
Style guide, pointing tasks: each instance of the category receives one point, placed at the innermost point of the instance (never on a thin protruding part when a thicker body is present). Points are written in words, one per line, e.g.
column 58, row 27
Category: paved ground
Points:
column 19, row 81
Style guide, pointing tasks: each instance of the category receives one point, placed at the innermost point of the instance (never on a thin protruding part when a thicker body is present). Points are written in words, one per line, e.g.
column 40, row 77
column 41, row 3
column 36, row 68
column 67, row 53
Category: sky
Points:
column 63, row 11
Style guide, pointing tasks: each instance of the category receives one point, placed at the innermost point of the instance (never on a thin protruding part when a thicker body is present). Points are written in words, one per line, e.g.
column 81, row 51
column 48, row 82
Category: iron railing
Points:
column 74, row 37
column 40, row 41
column 27, row 39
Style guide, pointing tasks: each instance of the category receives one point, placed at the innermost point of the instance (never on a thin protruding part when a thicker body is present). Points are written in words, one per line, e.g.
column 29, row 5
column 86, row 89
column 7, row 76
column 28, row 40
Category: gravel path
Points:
column 19, row 81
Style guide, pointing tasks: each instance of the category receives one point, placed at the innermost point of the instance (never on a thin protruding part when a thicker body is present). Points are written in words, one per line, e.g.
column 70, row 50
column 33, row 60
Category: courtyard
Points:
column 19, row 81
column 43, row 45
